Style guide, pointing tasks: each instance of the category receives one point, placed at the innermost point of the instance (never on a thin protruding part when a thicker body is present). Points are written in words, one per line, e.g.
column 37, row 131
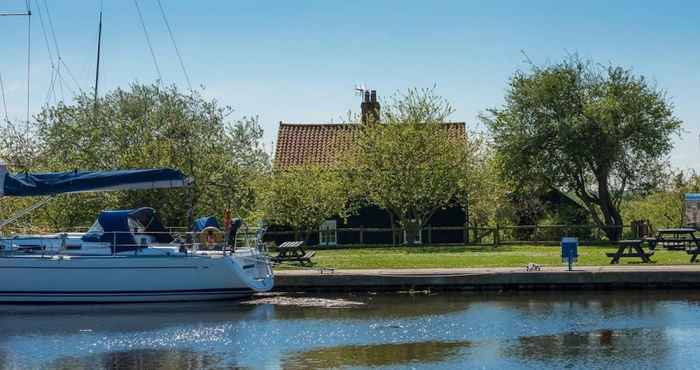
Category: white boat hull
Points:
column 85, row 279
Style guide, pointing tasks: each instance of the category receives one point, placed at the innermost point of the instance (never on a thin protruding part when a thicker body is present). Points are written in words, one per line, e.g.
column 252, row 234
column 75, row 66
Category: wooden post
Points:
column 497, row 235
column 362, row 235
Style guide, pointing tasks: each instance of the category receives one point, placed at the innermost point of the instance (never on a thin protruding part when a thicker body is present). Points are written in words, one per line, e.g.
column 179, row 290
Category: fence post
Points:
column 362, row 235
column 497, row 235
column 466, row 233
column 430, row 234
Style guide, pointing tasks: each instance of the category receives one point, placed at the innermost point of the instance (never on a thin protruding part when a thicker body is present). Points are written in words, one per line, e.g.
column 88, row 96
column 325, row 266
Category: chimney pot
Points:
column 370, row 107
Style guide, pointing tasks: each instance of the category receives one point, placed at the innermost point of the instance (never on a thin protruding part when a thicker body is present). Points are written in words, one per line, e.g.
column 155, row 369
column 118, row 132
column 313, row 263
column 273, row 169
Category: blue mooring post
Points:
column 569, row 251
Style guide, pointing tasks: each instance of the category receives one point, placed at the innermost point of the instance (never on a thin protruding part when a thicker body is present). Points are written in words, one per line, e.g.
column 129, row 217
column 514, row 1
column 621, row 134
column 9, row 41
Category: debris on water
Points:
column 412, row 292
column 385, row 326
column 305, row 302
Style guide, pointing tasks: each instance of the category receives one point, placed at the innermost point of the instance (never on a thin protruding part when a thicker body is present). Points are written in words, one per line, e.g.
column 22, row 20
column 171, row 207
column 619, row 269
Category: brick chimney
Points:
column 370, row 107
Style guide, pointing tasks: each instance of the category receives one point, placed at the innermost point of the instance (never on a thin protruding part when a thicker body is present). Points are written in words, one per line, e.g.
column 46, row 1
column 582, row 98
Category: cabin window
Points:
column 95, row 231
column 328, row 233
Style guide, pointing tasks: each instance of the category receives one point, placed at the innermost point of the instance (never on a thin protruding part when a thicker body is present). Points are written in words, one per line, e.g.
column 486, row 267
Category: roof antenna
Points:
column 360, row 89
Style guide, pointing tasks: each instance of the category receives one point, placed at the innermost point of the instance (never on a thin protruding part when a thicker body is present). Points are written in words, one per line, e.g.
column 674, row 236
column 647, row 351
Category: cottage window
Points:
column 328, row 233
column 419, row 237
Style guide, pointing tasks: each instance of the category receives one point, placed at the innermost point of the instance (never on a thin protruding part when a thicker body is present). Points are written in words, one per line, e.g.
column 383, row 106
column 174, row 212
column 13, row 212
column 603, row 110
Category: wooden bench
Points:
column 630, row 248
column 675, row 243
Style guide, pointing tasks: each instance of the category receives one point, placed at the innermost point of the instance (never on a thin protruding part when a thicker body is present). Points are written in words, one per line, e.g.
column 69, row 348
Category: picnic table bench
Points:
column 293, row 252
column 632, row 248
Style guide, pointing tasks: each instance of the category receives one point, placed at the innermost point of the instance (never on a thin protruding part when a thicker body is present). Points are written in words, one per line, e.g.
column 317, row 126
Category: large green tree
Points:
column 304, row 197
column 149, row 126
column 582, row 128
column 412, row 164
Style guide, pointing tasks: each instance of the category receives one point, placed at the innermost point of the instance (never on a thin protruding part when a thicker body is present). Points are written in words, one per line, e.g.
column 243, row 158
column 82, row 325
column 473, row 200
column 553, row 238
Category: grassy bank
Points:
column 455, row 257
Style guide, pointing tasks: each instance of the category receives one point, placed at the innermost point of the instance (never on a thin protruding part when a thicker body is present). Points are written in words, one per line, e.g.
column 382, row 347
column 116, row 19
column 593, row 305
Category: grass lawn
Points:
column 503, row 256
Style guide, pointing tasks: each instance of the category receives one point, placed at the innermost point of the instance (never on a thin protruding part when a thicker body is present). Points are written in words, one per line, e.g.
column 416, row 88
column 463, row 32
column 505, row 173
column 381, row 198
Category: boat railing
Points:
column 127, row 241
column 187, row 240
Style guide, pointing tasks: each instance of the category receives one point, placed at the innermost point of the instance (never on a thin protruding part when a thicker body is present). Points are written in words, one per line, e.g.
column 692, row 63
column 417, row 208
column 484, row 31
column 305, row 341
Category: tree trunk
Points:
column 612, row 219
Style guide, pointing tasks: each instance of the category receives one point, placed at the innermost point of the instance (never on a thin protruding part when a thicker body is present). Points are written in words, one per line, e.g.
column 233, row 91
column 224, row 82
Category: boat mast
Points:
column 97, row 70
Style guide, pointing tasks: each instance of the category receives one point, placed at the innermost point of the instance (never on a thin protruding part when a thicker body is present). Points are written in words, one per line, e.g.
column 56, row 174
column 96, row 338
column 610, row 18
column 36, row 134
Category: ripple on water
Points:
column 445, row 330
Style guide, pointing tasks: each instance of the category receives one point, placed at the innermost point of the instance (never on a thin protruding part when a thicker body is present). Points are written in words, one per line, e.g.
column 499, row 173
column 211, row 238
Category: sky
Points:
column 299, row 61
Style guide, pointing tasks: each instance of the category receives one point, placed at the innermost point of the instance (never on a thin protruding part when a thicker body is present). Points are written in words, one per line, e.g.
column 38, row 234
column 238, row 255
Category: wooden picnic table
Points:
column 682, row 238
column 632, row 248
column 293, row 252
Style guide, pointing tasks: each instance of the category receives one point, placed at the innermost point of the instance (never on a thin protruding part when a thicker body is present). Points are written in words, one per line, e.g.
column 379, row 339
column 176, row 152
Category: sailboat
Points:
column 126, row 256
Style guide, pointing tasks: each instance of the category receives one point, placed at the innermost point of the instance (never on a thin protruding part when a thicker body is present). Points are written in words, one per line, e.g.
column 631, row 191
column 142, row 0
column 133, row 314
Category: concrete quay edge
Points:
column 549, row 278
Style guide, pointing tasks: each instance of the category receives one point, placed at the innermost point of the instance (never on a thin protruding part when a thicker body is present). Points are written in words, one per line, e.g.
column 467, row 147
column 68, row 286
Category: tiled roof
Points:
column 306, row 143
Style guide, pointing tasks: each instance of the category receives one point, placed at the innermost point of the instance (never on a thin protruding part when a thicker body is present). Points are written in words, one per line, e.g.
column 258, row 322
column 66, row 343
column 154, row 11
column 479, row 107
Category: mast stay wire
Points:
column 4, row 102
column 148, row 41
column 51, row 59
column 51, row 91
column 57, row 50
column 29, row 61
column 172, row 38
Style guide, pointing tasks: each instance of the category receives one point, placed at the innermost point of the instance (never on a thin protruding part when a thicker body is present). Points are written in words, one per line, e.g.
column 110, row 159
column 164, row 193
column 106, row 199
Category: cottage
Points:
column 320, row 144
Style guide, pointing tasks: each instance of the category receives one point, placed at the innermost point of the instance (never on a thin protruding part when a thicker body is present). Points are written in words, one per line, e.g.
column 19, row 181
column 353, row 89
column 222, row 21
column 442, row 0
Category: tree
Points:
column 304, row 197
column 578, row 127
column 411, row 164
column 151, row 126
column 663, row 207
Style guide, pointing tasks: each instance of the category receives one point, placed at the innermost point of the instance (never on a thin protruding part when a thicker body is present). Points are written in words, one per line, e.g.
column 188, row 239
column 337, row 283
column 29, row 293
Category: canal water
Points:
column 614, row 329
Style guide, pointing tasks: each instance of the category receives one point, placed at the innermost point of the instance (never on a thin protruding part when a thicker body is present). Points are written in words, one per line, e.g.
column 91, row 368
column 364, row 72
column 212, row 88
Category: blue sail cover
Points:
column 204, row 222
column 42, row 184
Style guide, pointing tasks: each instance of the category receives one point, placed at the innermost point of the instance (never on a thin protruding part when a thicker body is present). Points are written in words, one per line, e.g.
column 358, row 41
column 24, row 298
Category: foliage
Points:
column 483, row 192
column 662, row 208
column 304, row 197
column 578, row 127
column 150, row 126
column 411, row 165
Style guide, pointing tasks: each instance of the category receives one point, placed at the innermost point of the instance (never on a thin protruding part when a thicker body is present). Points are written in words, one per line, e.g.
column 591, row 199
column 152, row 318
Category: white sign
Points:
column 691, row 212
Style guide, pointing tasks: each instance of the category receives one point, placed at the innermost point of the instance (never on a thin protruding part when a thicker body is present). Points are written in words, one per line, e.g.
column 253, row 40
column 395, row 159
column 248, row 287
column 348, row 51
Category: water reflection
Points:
column 541, row 329
column 151, row 359
column 622, row 345
column 26, row 320
column 380, row 306
column 391, row 354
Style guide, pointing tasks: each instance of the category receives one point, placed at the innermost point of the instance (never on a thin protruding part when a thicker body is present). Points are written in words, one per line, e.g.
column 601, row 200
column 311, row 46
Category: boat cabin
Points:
column 114, row 232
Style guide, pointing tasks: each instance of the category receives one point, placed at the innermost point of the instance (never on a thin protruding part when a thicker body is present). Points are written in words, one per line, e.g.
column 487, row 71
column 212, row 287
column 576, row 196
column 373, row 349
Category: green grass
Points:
column 455, row 257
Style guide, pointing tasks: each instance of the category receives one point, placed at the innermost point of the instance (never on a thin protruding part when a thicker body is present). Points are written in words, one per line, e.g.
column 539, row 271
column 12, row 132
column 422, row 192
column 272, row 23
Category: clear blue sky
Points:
column 298, row 61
